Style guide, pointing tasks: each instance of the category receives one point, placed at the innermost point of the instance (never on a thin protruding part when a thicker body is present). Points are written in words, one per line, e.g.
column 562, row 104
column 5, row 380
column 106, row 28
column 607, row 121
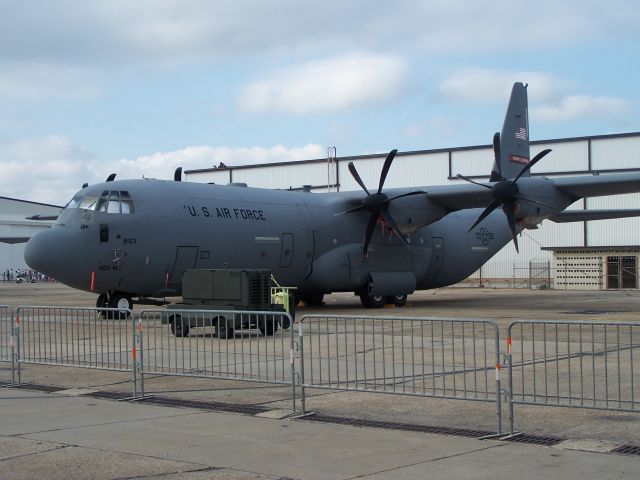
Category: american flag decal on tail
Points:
column 521, row 133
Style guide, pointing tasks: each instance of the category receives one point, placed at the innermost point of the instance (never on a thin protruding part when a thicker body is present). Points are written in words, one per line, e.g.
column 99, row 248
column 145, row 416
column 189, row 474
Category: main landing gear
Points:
column 379, row 301
column 117, row 300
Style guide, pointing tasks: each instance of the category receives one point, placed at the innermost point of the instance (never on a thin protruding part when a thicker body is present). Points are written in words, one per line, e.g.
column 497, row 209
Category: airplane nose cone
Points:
column 38, row 254
column 52, row 252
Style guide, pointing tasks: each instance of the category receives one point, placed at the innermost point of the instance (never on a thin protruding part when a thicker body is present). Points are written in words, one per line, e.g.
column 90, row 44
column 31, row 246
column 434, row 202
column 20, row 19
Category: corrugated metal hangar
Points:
column 16, row 228
column 553, row 255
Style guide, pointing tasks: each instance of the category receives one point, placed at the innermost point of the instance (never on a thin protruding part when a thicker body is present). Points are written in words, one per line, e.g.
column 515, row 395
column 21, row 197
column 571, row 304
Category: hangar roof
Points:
column 594, row 249
column 414, row 152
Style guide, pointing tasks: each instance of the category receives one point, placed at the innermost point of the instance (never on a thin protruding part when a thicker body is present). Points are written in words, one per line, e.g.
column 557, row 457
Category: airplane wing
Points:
column 461, row 196
column 13, row 240
column 598, row 185
column 42, row 217
column 582, row 215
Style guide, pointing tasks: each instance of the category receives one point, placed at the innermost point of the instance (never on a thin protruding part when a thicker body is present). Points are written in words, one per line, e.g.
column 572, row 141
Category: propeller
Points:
column 377, row 204
column 506, row 192
column 177, row 175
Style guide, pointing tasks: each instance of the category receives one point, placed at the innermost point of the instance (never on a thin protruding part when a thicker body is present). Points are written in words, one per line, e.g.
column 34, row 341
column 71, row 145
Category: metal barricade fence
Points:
column 428, row 357
column 78, row 337
column 7, row 342
column 577, row 364
column 220, row 344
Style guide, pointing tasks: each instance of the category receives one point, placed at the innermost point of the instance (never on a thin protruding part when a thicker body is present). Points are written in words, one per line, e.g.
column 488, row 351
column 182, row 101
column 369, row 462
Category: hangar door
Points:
column 622, row 272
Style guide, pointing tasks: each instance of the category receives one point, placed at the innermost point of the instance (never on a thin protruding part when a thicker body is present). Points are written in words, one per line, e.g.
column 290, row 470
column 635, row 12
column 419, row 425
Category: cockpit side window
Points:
column 126, row 203
column 114, row 203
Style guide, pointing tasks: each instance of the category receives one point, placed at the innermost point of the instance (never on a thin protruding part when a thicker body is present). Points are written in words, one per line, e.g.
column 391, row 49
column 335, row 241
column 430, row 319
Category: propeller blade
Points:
column 496, row 153
column 386, row 167
column 508, row 210
column 417, row 192
column 111, row 177
column 177, row 175
column 535, row 160
column 351, row 210
column 462, row 177
column 367, row 236
column 389, row 219
column 354, row 173
column 492, row 206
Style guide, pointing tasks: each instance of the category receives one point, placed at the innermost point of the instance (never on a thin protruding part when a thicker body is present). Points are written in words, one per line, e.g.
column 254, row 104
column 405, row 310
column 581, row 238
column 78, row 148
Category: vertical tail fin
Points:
column 511, row 147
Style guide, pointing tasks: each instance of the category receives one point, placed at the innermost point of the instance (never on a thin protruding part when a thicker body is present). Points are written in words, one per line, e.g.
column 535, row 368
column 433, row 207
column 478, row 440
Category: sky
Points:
column 141, row 87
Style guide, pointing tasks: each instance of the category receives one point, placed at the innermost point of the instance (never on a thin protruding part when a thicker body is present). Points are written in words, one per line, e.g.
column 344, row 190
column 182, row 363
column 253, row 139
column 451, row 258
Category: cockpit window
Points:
column 109, row 202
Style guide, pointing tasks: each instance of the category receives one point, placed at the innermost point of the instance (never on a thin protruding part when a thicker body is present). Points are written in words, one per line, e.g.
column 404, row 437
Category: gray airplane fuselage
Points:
column 168, row 227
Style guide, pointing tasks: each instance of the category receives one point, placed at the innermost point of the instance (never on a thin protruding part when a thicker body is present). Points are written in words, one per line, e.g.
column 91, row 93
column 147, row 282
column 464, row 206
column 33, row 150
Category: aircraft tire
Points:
column 122, row 302
column 178, row 327
column 372, row 301
column 314, row 299
column 102, row 302
column 399, row 300
column 224, row 328
column 267, row 326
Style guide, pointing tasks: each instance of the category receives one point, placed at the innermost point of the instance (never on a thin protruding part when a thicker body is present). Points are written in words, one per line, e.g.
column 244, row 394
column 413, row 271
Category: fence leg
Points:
column 508, row 358
column 141, row 364
column 302, row 392
column 134, row 360
column 293, row 370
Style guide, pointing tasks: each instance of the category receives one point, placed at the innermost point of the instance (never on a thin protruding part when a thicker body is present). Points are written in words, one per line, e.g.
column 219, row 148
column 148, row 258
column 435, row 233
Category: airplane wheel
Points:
column 268, row 326
column 397, row 300
column 371, row 301
column 314, row 300
column 179, row 327
column 122, row 302
column 224, row 328
column 102, row 302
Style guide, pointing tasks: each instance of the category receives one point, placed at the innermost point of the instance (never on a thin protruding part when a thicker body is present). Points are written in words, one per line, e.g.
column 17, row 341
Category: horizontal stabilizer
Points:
column 584, row 215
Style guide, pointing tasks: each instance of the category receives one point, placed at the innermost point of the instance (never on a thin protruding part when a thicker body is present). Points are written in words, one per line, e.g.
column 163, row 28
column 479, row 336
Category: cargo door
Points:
column 186, row 258
column 286, row 254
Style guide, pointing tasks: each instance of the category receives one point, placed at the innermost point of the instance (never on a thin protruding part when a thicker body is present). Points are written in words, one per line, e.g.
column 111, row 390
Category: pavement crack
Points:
column 73, row 427
column 59, row 447
column 166, row 474
column 425, row 462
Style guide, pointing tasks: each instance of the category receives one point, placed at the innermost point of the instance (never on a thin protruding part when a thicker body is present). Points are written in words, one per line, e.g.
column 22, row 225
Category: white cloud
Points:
column 163, row 164
column 575, row 107
column 47, row 169
column 481, row 85
column 51, row 169
column 549, row 96
column 327, row 85
column 38, row 80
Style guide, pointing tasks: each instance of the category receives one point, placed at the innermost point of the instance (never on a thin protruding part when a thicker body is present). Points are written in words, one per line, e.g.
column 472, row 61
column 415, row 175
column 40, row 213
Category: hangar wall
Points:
column 592, row 155
column 15, row 228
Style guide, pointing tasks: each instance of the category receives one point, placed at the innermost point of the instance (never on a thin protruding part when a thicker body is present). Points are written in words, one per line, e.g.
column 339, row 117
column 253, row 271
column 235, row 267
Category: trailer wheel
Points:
column 268, row 326
column 179, row 327
column 224, row 328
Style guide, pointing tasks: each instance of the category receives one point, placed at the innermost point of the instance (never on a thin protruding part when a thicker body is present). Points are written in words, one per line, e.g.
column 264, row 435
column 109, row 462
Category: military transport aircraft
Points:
column 129, row 240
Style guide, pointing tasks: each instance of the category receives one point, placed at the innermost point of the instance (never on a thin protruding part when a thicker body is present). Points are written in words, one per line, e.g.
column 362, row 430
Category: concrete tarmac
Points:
column 52, row 435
